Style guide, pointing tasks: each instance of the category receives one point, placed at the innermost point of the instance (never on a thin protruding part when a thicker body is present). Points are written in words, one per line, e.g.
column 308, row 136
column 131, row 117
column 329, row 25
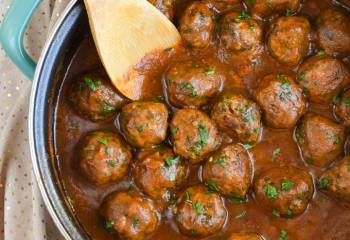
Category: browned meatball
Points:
column 130, row 215
column 104, row 157
column 94, row 98
column 288, row 40
column 221, row 5
column 197, row 25
column 167, row 7
column 192, row 83
column 199, row 212
column 240, row 33
column 229, row 171
column 158, row 172
column 245, row 236
column 321, row 140
column 342, row 108
column 238, row 116
column 265, row 8
column 333, row 32
column 281, row 100
column 322, row 77
column 194, row 134
column 144, row 124
column 336, row 180
column 286, row 191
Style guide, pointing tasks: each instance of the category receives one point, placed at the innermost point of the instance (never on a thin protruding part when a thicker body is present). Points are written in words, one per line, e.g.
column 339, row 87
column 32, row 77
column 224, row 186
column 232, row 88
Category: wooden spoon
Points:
column 125, row 31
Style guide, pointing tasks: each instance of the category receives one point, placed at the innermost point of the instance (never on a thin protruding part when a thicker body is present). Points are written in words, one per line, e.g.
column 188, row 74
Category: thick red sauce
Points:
column 325, row 218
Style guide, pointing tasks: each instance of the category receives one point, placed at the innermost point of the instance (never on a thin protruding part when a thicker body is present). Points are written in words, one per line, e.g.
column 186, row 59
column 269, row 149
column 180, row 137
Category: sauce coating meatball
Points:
column 333, row 32
column 104, row 157
column 221, row 5
column 94, row 98
column 288, row 40
column 238, row 116
column 245, row 236
column 336, row 180
column 240, row 33
column 199, row 212
column 192, row 83
column 342, row 108
column 197, row 25
column 322, row 77
column 229, row 171
column 286, row 191
column 321, row 140
column 281, row 100
column 158, row 172
column 144, row 124
column 167, row 7
column 194, row 134
column 265, row 8
column 130, row 215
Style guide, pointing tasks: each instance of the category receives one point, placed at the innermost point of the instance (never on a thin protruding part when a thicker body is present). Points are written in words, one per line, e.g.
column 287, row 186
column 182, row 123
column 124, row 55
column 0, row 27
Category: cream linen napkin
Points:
column 23, row 215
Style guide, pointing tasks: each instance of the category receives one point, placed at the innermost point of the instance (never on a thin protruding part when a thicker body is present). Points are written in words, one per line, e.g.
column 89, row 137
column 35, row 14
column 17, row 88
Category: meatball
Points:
column 199, row 212
column 192, row 83
column 321, row 140
column 245, row 236
column 281, row 100
column 240, row 33
column 104, row 157
column 94, row 98
column 157, row 172
column 194, row 134
column 342, row 108
column 130, row 215
column 322, row 77
column 229, row 171
column 288, row 40
column 286, row 191
column 336, row 180
column 265, row 8
column 197, row 25
column 238, row 116
column 167, row 7
column 333, row 32
column 221, row 5
column 144, row 124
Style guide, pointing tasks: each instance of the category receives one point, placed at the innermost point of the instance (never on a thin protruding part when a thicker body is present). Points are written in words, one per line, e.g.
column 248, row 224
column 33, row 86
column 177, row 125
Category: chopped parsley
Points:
column 275, row 153
column 320, row 53
column 168, row 161
column 271, row 191
column 111, row 162
column 184, row 86
column 305, row 90
column 194, row 232
column 212, row 186
column 187, row 196
column 283, row 235
column 196, row 65
column 109, row 225
column 324, row 183
column 204, row 136
column 289, row 12
column 210, row 72
column 174, row 130
column 90, row 83
column 198, row 207
column 135, row 222
column 193, row 94
column 142, row 127
column 251, row 3
column 221, row 160
column 241, row 214
column 346, row 101
column 269, row 5
column 103, row 141
column 286, row 185
column 309, row 160
column 244, row 15
column 236, row 199
column 276, row 213
column 300, row 138
column 279, row 75
column 336, row 99
column 159, row 98
column 335, row 138
column 248, row 146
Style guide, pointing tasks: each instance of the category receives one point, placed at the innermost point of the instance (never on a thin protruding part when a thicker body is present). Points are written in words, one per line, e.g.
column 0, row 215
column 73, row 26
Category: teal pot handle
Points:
column 12, row 32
